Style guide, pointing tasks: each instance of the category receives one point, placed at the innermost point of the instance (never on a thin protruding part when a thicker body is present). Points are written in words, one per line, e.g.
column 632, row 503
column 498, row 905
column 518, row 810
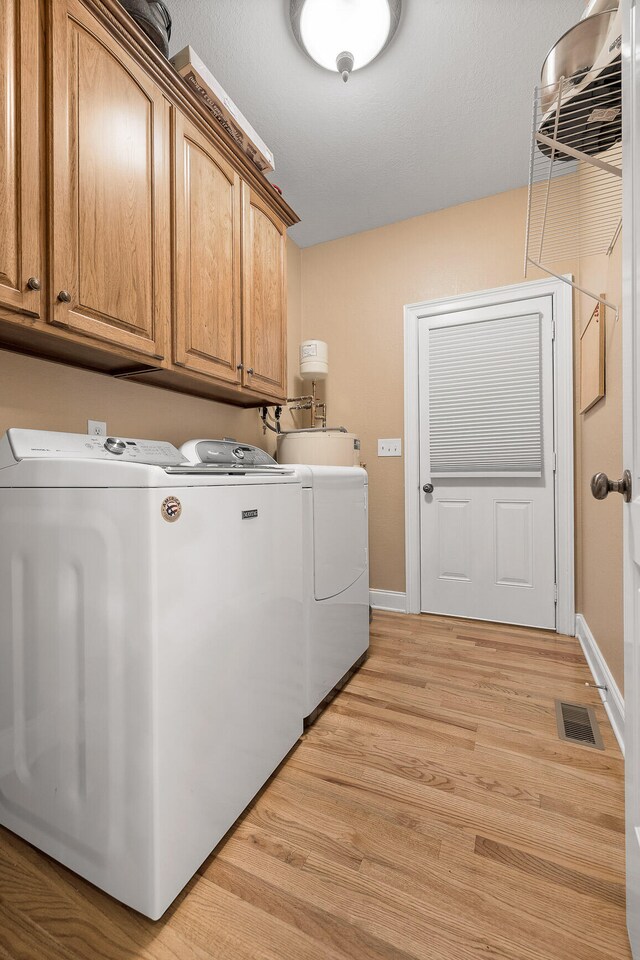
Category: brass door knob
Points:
column 33, row 283
column 64, row 296
column 601, row 486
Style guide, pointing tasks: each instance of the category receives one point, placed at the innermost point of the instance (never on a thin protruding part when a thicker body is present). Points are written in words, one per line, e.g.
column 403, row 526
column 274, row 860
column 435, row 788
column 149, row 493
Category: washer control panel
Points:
column 42, row 444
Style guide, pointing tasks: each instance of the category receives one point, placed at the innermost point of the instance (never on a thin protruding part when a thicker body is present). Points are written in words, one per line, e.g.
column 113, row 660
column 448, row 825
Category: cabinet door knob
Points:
column 64, row 296
column 428, row 488
column 33, row 283
column 250, row 371
column 240, row 366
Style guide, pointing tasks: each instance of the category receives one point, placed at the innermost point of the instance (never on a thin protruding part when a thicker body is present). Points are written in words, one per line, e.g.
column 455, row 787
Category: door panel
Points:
column 513, row 538
column 454, row 540
column 488, row 527
column 264, row 306
column 110, row 145
column 20, row 195
column 207, row 256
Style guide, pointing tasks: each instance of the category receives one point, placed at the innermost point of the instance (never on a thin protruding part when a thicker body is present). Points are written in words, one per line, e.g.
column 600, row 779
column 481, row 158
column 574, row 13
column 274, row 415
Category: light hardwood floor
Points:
column 430, row 812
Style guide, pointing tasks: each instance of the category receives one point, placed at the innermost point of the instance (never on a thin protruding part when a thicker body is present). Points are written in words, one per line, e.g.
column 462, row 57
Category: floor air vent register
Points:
column 577, row 724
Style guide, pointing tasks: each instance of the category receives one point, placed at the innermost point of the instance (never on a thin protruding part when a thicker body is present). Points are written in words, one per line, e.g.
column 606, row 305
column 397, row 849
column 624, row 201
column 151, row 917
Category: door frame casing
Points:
column 562, row 297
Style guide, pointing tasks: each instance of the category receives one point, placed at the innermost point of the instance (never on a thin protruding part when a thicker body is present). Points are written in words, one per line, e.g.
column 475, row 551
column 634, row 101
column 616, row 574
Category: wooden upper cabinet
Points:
column 110, row 191
column 207, row 318
column 20, row 182
column 135, row 236
column 264, row 303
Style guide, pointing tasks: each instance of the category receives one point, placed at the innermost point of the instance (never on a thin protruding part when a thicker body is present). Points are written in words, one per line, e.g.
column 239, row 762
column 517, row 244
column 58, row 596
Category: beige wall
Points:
column 599, row 447
column 353, row 293
column 50, row 396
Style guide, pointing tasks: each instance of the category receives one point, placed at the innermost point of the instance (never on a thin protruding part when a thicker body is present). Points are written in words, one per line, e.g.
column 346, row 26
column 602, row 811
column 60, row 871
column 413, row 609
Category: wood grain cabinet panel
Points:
column 207, row 318
column 20, row 182
column 264, row 304
column 110, row 252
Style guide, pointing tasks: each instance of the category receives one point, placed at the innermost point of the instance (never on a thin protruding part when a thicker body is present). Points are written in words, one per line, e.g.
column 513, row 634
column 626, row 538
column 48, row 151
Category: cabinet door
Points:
column 264, row 305
column 111, row 255
column 207, row 257
column 20, row 100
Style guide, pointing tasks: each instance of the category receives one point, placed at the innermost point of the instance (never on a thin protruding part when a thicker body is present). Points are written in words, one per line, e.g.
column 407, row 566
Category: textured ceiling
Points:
column 442, row 117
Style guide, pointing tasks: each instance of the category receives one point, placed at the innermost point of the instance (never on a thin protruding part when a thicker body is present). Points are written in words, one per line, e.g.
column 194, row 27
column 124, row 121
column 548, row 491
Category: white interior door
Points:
column 631, row 427
column 487, row 515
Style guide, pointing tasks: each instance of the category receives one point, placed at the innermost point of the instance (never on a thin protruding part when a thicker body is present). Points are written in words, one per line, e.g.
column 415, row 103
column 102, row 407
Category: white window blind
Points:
column 485, row 408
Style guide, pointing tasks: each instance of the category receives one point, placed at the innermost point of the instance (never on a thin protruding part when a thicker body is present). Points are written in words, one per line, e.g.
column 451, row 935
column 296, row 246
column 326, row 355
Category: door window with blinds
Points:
column 485, row 398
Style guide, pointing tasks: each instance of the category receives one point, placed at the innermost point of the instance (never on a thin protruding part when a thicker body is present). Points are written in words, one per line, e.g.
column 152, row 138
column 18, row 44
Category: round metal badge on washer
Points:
column 171, row 509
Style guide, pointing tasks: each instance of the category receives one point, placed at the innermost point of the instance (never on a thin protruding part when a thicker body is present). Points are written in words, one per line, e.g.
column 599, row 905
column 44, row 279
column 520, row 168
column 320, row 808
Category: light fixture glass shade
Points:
column 329, row 29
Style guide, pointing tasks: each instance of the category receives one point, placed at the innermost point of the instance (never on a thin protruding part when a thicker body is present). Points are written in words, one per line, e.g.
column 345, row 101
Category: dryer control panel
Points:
column 227, row 453
column 42, row 444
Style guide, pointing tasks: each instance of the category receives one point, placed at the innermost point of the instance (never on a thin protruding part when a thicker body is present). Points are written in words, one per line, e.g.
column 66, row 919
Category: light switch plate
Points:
column 97, row 428
column 390, row 448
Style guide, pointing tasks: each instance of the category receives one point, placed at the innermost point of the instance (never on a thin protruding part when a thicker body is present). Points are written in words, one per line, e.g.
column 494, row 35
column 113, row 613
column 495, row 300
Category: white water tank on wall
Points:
column 319, row 447
column 314, row 360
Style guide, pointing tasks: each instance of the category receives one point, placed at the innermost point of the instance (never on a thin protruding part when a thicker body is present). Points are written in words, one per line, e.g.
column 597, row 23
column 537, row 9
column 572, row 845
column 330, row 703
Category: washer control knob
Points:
column 114, row 445
column 239, row 453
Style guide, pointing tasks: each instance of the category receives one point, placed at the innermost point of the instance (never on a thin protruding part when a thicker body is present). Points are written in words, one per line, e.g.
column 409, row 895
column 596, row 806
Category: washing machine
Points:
column 150, row 658
column 334, row 524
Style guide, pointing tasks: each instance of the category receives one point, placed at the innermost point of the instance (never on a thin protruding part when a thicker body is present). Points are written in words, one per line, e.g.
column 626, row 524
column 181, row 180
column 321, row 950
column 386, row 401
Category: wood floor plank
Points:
column 511, row 914
column 603, row 854
column 607, row 791
column 403, row 863
column 534, row 894
column 584, row 811
column 430, row 813
column 353, row 833
column 415, row 926
column 337, row 933
column 551, row 872
column 598, row 763
column 454, row 769
column 509, row 679
column 228, row 926
column 22, row 939
column 439, row 772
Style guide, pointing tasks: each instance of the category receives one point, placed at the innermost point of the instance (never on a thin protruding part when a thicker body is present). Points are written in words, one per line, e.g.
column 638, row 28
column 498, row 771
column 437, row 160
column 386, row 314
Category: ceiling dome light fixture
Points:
column 344, row 35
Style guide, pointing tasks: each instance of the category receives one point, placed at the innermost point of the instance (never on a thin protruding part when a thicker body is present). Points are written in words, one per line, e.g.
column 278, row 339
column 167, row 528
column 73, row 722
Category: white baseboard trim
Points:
column 388, row 600
column 611, row 697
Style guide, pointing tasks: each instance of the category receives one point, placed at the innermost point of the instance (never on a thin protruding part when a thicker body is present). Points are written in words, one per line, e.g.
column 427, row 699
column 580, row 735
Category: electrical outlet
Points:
column 97, row 428
column 390, row 448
